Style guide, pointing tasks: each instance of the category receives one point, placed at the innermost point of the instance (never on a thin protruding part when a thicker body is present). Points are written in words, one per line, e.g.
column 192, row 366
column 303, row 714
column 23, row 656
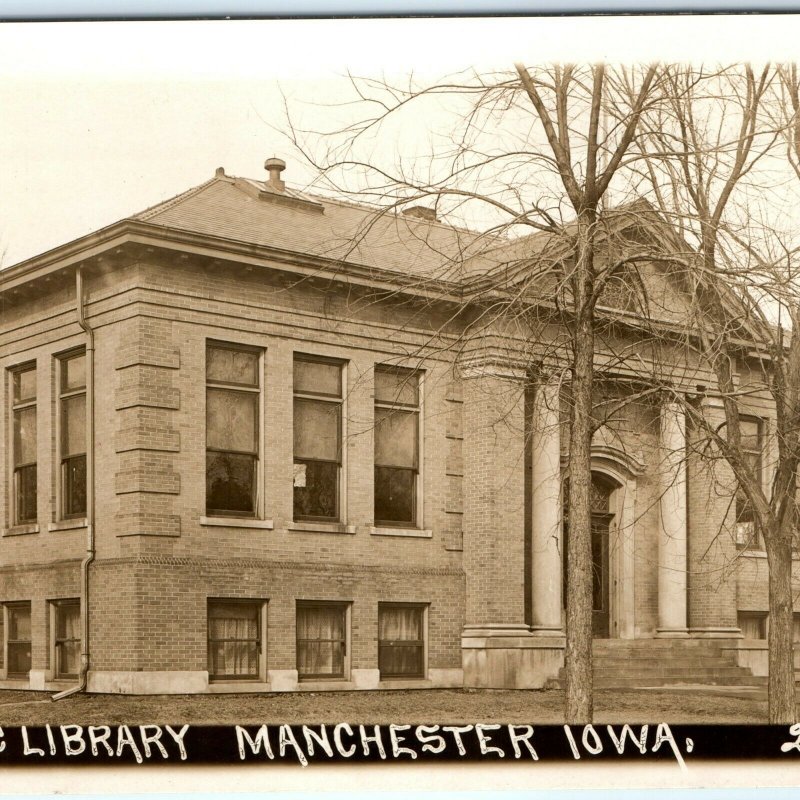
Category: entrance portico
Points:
column 511, row 642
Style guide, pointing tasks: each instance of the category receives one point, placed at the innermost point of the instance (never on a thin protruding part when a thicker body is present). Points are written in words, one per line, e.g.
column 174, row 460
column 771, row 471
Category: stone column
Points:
column 546, row 560
column 672, row 530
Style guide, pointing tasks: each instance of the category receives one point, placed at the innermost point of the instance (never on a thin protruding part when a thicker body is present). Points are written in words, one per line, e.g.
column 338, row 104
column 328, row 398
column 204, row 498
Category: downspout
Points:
column 89, row 490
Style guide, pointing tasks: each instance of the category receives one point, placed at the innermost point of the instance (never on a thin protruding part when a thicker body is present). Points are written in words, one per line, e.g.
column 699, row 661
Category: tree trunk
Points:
column 579, row 678
column 781, row 658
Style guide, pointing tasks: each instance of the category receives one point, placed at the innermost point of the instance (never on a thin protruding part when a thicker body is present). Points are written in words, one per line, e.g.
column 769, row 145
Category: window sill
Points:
column 414, row 533
column 237, row 522
column 21, row 530
column 320, row 527
column 67, row 525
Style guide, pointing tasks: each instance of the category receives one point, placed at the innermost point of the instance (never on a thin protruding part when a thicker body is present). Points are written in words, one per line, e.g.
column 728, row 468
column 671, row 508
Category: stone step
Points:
column 681, row 661
column 698, row 674
column 622, row 682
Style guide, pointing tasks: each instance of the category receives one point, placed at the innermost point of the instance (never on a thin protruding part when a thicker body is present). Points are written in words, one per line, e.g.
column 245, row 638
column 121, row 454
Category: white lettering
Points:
column 286, row 739
column 376, row 737
column 94, row 739
column 313, row 738
column 27, row 750
column 155, row 738
column 627, row 732
column 427, row 741
column 75, row 737
column 483, row 740
column 524, row 736
column 125, row 737
column 261, row 740
column 456, row 731
column 178, row 737
column 337, row 739
column 396, row 739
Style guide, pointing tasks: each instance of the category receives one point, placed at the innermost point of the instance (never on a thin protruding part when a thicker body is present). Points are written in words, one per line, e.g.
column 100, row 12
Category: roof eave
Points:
column 130, row 231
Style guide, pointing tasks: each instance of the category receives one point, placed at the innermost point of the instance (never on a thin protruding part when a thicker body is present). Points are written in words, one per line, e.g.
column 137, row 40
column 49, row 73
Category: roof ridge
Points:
column 173, row 201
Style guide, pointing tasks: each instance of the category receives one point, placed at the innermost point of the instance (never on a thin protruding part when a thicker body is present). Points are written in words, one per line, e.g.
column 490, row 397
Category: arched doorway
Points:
column 602, row 508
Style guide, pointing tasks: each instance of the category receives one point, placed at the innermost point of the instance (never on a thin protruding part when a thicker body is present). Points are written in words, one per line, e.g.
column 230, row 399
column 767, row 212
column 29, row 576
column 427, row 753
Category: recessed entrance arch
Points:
column 613, row 504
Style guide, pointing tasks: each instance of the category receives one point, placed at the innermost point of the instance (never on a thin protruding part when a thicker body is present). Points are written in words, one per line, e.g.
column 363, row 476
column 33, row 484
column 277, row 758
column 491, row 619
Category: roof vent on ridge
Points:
column 421, row 212
column 275, row 166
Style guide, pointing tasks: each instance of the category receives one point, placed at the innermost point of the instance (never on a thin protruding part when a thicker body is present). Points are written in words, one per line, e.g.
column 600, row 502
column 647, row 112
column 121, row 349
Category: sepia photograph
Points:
column 396, row 390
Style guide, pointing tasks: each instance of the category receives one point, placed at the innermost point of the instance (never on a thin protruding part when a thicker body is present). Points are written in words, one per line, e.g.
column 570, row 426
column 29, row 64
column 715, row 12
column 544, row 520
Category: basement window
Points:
column 401, row 640
column 66, row 616
column 753, row 624
column 18, row 639
column 235, row 640
column 322, row 639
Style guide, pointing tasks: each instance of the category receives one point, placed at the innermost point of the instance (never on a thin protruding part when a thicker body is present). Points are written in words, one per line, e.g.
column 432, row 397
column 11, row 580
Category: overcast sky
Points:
column 100, row 120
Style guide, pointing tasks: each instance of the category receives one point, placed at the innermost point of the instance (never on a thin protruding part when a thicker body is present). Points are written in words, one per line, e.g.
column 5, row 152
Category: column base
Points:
column 716, row 633
column 672, row 633
column 547, row 630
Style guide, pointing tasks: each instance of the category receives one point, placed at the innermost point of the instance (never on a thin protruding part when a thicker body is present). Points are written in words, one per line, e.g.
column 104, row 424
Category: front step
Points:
column 639, row 663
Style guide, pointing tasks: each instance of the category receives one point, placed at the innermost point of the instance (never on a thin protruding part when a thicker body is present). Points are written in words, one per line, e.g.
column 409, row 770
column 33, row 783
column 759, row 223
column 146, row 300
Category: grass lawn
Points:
column 427, row 706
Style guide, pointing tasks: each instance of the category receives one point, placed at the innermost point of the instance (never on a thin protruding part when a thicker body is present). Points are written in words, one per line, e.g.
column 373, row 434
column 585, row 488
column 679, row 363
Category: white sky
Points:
column 100, row 120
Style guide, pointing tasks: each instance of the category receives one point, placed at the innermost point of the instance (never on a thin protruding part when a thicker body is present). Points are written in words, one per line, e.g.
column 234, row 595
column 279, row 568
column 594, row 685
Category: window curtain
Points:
column 320, row 641
column 234, row 641
column 401, row 641
column 69, row 631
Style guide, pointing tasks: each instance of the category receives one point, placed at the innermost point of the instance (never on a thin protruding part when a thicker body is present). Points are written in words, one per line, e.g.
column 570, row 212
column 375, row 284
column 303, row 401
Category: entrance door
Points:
column 601, row 525
column 600, row 615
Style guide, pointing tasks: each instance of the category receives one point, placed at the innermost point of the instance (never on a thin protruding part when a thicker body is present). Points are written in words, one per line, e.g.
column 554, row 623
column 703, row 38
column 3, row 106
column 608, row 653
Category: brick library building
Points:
column 257, row 440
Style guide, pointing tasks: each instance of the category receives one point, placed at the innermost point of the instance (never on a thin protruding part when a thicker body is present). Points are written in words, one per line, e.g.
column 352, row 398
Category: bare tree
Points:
column 709, row 155
column 533, row 152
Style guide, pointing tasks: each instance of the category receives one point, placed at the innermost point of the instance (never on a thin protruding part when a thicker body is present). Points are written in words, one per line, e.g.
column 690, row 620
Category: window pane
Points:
column 233, row 633
column 73, row 373
column 395, row 495
column 73, row 425
column 314, row 377
column 323, row 659
column 400, row 623
column 320, row 640
column 74, row 486
column 396, row 438
column 19, row 658
column 230, row 482
column 25, row 502
column 19, row 622
column 25, row 436
column 401, row 648
column 232, row 366
column 316, row 430
column 233, row 659
column 753, row 625
column 231, row 420
column 68, row 621
column 24, row 385
column 405, row 660
column 69, row 659
column 750, row 431
column 396, row 386
column 316, row 490
column 320, row 622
